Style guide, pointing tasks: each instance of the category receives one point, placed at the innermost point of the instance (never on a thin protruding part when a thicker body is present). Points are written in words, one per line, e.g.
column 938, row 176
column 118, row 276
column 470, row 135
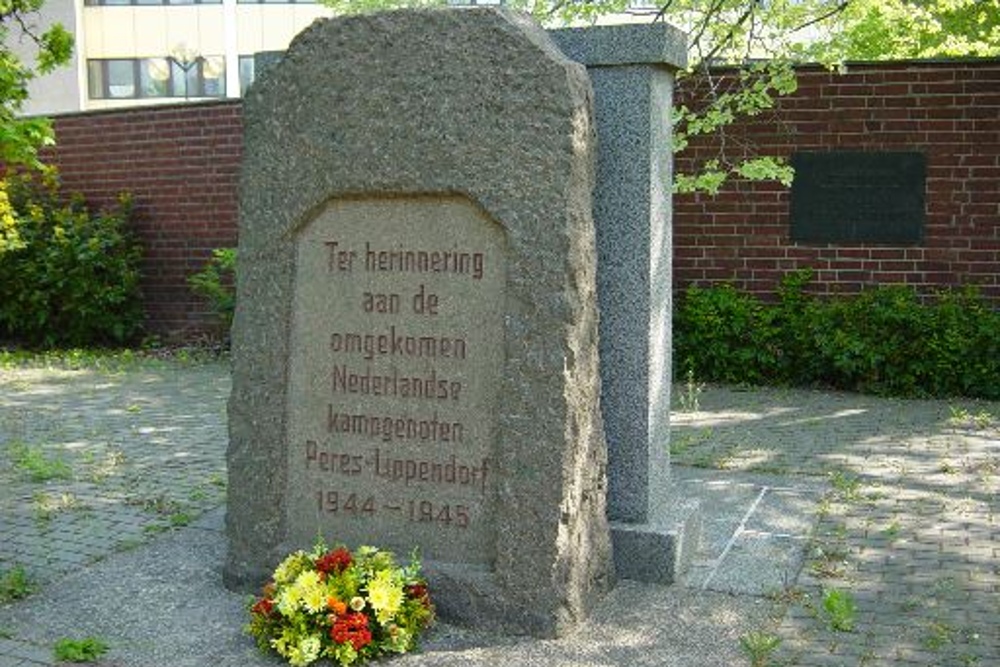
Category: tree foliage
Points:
column 900, row 29
column 20, row 138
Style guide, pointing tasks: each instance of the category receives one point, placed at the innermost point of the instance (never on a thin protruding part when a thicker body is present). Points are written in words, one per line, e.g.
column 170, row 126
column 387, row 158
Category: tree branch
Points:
column 747, row 14
column 661, row 15
column 819, row 19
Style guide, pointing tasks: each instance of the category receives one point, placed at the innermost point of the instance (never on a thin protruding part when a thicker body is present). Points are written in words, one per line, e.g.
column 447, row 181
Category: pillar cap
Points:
column 626, row 44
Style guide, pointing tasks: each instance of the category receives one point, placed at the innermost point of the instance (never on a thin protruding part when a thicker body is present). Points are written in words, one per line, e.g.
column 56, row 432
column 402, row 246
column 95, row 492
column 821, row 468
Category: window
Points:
column 127, row 3
column 246, row 73
column 121, row 78
column 144, row 78
column 858, row 197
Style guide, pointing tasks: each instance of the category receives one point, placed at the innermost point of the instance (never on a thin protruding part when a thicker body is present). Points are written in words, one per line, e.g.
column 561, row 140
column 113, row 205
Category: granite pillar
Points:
column 632, row 71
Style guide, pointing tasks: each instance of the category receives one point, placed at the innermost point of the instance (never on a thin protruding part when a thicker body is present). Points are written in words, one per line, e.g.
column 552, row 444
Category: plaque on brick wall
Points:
column 855, row 197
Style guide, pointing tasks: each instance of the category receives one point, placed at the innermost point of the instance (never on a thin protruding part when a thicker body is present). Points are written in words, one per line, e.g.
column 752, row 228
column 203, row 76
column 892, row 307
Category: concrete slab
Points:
column 755, row 528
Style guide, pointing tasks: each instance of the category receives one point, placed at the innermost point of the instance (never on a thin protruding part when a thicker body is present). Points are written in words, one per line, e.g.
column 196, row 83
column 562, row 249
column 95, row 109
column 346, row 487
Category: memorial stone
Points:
column 415, row 342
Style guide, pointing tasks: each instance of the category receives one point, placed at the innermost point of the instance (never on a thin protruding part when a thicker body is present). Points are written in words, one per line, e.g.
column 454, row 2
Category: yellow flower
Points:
column 314, row 599
column 288, row 602
column 289, row 568
column 309, row 590
column 306, row 581
column 386, row 595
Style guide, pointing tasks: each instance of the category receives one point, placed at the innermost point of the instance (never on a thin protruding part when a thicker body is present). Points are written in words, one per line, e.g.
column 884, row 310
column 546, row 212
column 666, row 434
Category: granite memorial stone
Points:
column 415, row 342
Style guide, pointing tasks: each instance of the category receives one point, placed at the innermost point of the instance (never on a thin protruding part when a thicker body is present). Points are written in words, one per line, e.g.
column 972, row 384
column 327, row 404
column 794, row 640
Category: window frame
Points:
column 195, row 84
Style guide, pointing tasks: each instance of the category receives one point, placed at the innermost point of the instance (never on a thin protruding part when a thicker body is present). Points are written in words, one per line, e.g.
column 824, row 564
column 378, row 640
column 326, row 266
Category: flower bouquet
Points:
column 348, row 607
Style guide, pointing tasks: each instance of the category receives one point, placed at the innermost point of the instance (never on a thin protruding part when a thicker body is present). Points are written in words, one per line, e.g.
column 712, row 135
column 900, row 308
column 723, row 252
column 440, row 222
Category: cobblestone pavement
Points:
column 894, row 503
column 903, row 567
column 98, row 461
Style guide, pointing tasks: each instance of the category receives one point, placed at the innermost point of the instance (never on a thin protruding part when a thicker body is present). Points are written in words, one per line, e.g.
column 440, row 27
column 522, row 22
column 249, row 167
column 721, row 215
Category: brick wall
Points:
column 181, row 164
column 950, row 111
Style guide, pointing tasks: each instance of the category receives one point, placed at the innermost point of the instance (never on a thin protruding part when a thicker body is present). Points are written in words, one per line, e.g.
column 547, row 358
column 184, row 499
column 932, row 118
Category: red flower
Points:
column 419, row 592
column 352, row 628
column 264, row 607
column 337, row 560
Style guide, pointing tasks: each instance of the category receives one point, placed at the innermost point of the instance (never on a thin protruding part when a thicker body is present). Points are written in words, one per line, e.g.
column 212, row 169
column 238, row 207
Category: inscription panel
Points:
column 857, row 197
column 397, row 344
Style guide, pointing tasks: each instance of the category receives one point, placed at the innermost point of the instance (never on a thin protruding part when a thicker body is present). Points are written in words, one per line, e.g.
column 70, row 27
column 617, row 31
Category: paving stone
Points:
column 21, row 653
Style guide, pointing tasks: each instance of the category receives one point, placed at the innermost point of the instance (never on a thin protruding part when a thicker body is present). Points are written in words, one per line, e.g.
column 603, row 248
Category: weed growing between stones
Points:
column 841, row 609
column 47, row 505
column 88, row 649
column 846, row 486
column 15, row 584
column 963, row 418
column 759, row 647
column 690, row 396
column 682, row 442
column 939, row 633
column 34, row 464
column 111, row 464
column 180, row 519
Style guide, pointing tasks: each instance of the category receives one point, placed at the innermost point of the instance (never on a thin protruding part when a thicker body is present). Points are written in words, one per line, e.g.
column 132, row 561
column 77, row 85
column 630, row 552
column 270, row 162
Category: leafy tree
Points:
column 20, row 138
column 899, row 29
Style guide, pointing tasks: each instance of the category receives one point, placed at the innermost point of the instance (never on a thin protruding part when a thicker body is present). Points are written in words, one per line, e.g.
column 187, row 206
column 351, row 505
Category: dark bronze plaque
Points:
column 851, row 197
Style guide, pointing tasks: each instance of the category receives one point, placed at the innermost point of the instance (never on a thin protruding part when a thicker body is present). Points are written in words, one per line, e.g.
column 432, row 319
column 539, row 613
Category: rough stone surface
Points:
column 629, row 44
column 479, row 106
column 632, row 72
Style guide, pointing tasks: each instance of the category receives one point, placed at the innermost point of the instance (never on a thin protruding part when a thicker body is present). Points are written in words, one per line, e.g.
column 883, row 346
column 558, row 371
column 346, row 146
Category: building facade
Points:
column 143, row 52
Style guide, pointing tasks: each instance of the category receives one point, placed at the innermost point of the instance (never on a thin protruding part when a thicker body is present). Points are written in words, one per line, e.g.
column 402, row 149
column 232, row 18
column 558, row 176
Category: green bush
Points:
column 214, row 283
column 731, row 337
column 70, row 277
column 884, row 341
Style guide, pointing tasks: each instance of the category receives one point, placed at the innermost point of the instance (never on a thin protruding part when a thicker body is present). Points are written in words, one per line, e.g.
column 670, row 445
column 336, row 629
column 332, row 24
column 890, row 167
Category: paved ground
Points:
column 821, row 509
column 908, row 534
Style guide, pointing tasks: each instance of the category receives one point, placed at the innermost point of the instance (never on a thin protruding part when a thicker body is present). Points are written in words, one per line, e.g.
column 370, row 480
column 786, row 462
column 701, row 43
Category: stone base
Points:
column 657, row 553
column 470, row 597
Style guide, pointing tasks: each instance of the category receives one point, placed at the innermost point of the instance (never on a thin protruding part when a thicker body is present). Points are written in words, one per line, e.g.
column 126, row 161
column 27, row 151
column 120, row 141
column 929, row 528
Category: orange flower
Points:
column 336, row 606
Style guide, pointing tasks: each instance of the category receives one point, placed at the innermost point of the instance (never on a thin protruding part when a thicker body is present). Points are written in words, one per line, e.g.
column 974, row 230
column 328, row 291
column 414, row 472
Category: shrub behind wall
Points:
column 885, row 340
